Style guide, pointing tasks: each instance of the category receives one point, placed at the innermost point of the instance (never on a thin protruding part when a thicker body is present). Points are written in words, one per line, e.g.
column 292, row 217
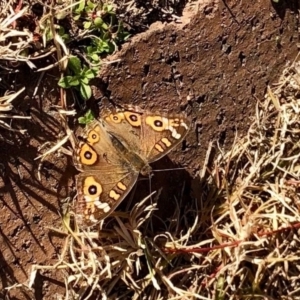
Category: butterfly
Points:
column 114, row 150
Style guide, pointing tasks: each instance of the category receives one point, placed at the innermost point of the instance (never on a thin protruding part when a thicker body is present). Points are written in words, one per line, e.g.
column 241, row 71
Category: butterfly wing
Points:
column 165, row 133
column 106, row 177
column 99, row 195
column 150, row 135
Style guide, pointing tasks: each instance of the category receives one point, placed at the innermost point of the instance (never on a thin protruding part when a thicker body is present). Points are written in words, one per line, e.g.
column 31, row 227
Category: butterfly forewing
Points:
column 165, row 134
column 150, row 135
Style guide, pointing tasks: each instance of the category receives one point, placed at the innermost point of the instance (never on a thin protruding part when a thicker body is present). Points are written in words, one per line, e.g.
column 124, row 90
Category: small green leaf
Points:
column 98, row 22
column 49, row 35
column 95, row 57
column 87, row 25
column 106, row 36
column 84, row 80
column 61, row 30
column 74, row 64
column 104, row 26
column 76, row 17
column 74, row 80
column 85, row 91
column 90, row 74
column 81, row 120
column 108, row 8
column 102, row 46
column 68, row 81
column 80, row 7
column 87, row 118
column 65, row 37
column 90, row 49
column 90, row 4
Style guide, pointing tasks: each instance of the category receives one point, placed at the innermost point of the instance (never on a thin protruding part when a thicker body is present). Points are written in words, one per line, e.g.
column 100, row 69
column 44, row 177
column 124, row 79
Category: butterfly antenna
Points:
column 172, row 169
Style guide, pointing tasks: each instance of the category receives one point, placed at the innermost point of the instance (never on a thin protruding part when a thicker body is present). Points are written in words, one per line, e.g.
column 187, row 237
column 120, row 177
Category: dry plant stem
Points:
column 14, row 117
column 55, row 147
column 43, row 53
column 6, row 106
column 59, row 265
column 5, row 101
column 9, row 36
column 62, row 63
column 5, row 24
column 6, row 126
column 54, row 65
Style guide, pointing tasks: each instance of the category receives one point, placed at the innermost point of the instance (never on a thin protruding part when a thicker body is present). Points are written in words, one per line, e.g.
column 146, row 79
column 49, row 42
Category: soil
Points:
column 213, row 66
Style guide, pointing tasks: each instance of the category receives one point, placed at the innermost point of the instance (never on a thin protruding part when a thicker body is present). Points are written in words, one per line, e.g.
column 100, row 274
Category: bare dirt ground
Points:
column 214, row 67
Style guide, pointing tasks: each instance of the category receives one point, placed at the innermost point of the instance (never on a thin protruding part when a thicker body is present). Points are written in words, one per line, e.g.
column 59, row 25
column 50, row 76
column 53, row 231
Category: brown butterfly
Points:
column 115, row 150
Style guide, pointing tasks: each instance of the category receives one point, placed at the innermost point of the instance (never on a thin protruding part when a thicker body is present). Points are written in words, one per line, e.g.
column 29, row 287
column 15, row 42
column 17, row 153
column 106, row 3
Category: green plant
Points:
column 87, row 118
column 80, row 77
column 104, row 32
column 100, row 20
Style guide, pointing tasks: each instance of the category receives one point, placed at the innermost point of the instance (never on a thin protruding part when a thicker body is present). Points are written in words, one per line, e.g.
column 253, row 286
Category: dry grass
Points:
column 6, row 113
column 239, row 241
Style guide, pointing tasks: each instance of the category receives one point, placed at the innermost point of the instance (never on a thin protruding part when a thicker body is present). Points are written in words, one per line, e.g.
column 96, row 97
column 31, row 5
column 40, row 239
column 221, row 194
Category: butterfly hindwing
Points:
column 99, row 193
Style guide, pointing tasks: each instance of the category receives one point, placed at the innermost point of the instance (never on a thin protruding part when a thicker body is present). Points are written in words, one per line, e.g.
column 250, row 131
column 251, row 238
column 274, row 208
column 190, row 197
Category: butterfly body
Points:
column 137, row 163
column 115, row 150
